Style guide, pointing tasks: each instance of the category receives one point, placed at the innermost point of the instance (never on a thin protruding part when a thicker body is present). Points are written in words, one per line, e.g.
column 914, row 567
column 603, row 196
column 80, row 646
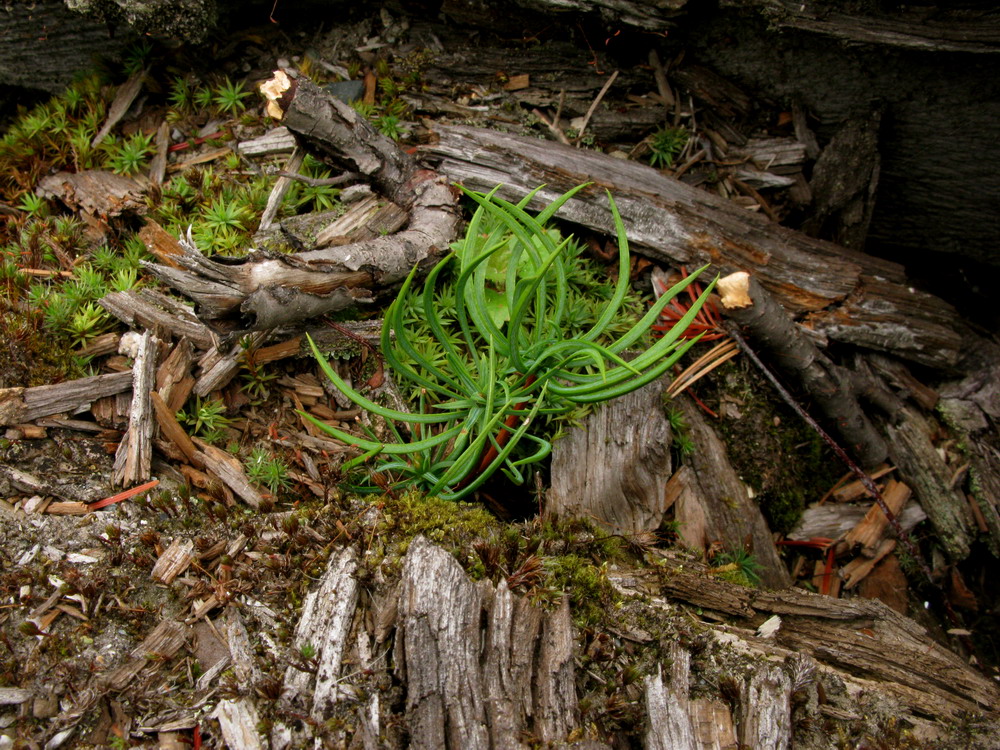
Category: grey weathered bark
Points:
column 935, row 191
column 614, row 467
column 482, row 668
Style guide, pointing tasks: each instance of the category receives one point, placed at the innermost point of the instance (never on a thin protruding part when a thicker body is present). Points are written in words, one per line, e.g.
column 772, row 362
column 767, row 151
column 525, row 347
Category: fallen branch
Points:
column 746, row 302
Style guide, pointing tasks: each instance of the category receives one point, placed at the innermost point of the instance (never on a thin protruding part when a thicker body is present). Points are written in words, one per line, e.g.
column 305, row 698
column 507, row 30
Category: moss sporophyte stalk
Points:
column 502, row 354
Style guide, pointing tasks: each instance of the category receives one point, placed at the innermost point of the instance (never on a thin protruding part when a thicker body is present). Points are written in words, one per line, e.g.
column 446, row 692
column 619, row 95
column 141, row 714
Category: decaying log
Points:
column 860, row 636
column 747, row 303
column 613, row 468
column 481, row 667
column 946, row 30
column 337, row 130
column 267, row 289
column 147, row 308
column 671, row 221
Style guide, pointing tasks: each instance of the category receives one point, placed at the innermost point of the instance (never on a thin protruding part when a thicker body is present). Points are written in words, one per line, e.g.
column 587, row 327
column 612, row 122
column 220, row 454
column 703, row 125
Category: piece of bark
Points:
column 870, row 530
column 162, row 642
column 238, row 721
column 844, row 182
column 887, row 582
column 731, row 517
column 150, row 309
column 171, row 429
column 780, row 155
column 497, row 14
column 220, row 369
column 948, row 30
column 241, row 651
column 175, row 560
column 160, row 243
column 669, row 724
column 671, row 221
column 723, row 97
column 124, row 97
column 835, row 521
column 135, row 451
column 173, row 371
column 95, row 192
column 18, row 405
column 855, row 489
column 925, row 471
column 771, row 329
column 229, row 471
column 324, row 624
column 281, row 186
column 158, row 166
column 858, row 569
column 764, row 717
column 275, row 141
column 365, row 220
column 614, row 467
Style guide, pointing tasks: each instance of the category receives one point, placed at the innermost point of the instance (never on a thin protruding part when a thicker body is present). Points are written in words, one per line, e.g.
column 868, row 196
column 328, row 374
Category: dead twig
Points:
column 594, row 105
column 553, row 128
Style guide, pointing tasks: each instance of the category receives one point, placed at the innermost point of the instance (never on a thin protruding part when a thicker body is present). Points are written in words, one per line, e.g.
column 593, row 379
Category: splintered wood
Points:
column 135, row 452
column 869, row 532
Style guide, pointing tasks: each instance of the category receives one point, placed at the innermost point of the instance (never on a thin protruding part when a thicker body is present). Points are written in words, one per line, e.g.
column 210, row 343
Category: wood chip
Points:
column 68, row 509
column 238, row 721
column 171, row 428
column 274, row 141
column 518, row 82
column 855, row 490
column 175, row 560
column 856, row 570
column 229, row 471
column 869, row 531
column 163, row 642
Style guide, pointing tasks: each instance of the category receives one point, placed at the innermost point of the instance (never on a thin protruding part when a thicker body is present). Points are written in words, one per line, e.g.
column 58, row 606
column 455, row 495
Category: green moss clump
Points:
column 785, row 462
